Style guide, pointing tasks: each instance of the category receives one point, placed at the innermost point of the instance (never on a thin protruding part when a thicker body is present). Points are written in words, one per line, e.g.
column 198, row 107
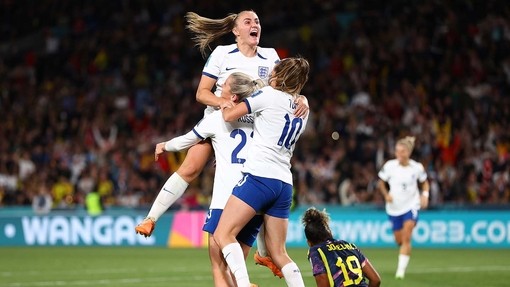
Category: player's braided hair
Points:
column 316, row 224
column 290, row 75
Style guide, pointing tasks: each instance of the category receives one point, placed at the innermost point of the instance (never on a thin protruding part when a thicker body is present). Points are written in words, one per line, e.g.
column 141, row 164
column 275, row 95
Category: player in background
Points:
column 230, row 141
column 403, row 200
column 267, row 183
column 335, row 263
column 243, row 56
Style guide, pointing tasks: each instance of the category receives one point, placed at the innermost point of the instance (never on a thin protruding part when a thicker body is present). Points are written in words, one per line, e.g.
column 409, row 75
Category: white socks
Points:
column 403, row 260
column 173, row 188
column 292, row 275
column 233, row 254
column 261, row 243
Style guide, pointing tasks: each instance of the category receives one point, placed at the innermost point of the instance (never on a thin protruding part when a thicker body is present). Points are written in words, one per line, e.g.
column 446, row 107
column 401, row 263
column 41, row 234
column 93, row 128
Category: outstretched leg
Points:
column 174, row 187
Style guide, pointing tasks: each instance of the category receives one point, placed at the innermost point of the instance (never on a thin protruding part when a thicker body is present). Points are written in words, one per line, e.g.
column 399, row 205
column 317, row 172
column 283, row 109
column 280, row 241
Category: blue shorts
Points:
column 266, row 195
column 247, row 235
column 397, row 222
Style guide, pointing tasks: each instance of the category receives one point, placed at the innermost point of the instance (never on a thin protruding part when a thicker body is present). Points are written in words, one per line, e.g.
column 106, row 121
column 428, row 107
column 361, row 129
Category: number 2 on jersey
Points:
column 288, row 138
column 351, row 264
column 239, row 147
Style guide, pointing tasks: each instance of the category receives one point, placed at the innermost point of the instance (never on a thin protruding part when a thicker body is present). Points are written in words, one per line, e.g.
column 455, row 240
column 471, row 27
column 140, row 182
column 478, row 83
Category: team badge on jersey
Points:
column 263, row 72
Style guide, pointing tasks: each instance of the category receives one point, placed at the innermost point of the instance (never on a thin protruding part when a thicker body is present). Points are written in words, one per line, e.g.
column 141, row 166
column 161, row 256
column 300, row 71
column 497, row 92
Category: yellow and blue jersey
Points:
column 340, row 260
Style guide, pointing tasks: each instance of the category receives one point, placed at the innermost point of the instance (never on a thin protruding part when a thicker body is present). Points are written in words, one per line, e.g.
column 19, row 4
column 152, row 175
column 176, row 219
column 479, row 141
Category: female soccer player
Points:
column 243, row 56
column 334, row 262
column 403, row 199
column 267, row 182
column 230, row 142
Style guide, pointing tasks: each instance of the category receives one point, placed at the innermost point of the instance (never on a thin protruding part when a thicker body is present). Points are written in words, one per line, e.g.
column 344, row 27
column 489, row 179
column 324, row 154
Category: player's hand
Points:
column 226, row 104
column 302, row 106
column 388, row 198
column 160, row 148
column 424, row 202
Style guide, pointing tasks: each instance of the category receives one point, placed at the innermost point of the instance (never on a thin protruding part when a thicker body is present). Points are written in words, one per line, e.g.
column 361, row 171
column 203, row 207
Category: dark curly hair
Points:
column 316, row 224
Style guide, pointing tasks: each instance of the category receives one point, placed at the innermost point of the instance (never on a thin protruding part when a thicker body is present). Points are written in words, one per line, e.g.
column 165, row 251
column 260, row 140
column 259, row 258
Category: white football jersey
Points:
column 225, row 60
column 230, row 141
column 403, row 182
column 276, row 131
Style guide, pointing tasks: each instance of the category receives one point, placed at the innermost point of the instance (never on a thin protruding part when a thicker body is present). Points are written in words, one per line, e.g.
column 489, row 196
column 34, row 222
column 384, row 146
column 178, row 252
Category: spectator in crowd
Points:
column 94, row 203
column 42, row 201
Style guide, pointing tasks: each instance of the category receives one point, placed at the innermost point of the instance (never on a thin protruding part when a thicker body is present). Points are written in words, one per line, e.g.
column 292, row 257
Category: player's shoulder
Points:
column 212, row 125
column 225, row 49
column 266, row 94
column 348, row 244
column 212, row 118
column 266, row 89
column 268, row 53
column 315, row 248
column 391, row 163
column 415, row 164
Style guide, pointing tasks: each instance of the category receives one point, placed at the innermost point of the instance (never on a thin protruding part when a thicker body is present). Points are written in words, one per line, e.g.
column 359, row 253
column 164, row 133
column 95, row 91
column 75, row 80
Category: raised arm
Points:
column 176, row 144
column 205, row 95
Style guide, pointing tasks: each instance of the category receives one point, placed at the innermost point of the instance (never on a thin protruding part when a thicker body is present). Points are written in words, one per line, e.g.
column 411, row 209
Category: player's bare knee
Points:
column 188, row 172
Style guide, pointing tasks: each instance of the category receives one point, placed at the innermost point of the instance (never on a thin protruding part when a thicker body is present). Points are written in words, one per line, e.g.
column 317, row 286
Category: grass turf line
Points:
column 149, row 266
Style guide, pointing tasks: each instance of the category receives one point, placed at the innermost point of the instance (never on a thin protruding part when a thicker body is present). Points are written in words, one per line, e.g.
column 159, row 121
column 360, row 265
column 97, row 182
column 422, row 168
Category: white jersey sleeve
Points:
column 213, row 64
column 202, row 130
column 182, row 142
column 403, row 183
column 384, row 173
column 276, row 131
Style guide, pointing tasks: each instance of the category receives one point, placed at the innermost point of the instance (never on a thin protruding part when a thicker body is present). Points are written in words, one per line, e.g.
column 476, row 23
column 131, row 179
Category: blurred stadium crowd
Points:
column 87, row 88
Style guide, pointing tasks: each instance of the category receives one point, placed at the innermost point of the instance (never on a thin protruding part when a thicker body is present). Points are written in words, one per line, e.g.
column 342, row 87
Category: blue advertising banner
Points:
column 64, row 230
column 449, row 229
column 365, row 227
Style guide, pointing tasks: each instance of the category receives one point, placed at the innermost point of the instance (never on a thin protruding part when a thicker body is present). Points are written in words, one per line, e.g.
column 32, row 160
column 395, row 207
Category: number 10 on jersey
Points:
column 290, row 131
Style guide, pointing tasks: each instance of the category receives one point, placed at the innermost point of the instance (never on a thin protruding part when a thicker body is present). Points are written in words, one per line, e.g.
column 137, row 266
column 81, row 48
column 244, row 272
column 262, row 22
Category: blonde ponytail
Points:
column 243, row 86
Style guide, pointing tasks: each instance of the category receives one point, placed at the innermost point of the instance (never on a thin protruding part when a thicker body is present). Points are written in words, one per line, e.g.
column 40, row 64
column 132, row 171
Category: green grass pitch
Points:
column 149, row 266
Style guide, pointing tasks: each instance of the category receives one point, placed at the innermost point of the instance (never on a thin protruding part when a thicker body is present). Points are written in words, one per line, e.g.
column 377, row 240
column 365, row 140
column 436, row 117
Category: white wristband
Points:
column 425, row 193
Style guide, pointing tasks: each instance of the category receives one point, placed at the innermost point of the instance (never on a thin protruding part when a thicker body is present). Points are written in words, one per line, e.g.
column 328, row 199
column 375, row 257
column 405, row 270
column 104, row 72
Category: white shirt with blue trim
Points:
column 403, row 182
column 276, row 131
column 225, row 60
